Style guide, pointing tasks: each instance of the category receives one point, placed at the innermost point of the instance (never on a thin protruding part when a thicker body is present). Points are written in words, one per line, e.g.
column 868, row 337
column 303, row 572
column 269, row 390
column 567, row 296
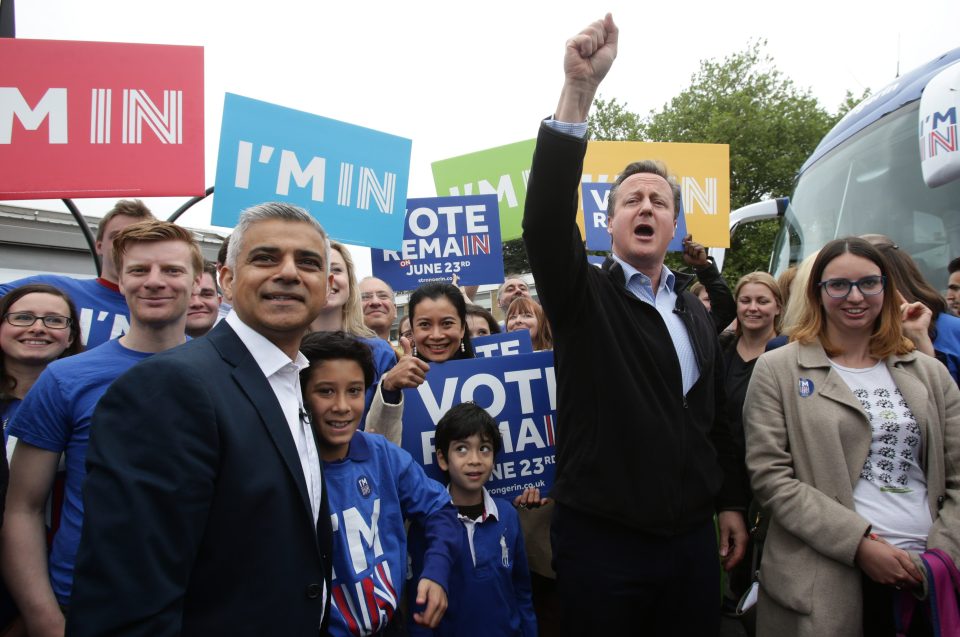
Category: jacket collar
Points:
column 811, row 355
column 613, row 268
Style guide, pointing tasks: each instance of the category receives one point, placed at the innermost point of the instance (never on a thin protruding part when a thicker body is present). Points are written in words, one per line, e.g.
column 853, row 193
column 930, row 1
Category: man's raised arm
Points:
column 589, row 55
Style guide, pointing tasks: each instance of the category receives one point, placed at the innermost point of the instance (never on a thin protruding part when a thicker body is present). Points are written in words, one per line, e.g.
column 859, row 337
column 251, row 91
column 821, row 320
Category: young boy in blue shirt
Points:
column 371, row 485
column 489, row 592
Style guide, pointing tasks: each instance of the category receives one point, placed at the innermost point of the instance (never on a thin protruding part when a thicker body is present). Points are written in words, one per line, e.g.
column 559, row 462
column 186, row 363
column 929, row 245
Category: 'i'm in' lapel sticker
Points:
column 805, row 386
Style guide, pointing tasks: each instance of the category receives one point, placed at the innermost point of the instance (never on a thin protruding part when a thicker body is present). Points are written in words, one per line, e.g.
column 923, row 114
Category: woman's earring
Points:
column 414, row 349
column 463, row 348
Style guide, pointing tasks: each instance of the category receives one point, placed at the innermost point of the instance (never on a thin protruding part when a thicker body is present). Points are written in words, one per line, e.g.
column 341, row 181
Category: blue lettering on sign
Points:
column 596, row 198
column 443, row 237
column 352, row 179
column 518, row 391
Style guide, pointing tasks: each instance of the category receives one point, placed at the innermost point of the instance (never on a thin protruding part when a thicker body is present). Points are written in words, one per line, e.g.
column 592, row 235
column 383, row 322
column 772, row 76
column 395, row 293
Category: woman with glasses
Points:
column 40, row 325
column 853, row 438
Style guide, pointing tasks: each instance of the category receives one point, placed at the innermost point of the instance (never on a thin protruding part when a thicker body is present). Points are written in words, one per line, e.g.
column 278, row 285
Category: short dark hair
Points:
column 209, row 267
column 433, row 291
column 484, row 313
column 653, row 167
column 222, row 252
column 319, row 347
column 133, row 208
column 465, row 420
column 953, row 266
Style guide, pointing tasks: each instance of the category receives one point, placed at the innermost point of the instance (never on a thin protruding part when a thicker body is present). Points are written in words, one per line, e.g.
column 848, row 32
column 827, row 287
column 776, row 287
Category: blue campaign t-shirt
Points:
column 370, row 492
column 102, row 308
column 55, row 415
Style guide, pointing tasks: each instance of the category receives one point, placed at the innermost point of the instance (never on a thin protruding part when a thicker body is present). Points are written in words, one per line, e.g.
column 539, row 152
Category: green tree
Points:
column 770, row 124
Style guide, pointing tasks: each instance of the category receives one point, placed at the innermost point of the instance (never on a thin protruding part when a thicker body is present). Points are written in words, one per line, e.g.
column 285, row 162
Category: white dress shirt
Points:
column 283, row 375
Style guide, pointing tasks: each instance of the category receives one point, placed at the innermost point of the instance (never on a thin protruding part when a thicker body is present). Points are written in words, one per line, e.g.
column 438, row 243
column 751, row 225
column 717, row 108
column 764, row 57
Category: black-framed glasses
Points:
column 27, row 319
column 868, row 286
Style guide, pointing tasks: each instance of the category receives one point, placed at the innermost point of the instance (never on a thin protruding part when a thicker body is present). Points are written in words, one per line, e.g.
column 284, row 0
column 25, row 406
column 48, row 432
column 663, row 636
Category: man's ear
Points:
column 442, row 461
column 226, row 283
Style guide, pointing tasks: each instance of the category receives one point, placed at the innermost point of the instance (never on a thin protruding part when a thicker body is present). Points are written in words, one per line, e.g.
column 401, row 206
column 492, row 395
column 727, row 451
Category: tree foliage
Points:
column 770, row 124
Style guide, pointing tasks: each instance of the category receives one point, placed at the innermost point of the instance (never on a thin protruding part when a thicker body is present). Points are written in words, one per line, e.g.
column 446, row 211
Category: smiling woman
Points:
column 40, row 324
column 438, row 313
column 850, row 396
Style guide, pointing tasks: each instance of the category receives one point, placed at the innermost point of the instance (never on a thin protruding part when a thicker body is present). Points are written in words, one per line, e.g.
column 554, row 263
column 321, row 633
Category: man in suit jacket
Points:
column 205, row 509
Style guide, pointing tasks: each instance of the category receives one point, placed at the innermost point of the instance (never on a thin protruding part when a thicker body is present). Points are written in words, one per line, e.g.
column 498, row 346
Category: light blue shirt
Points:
column 641, row 286
column 665, row 301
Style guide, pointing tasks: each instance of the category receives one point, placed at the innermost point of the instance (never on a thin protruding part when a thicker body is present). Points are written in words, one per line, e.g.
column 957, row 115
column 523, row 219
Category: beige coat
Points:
column 805, row 453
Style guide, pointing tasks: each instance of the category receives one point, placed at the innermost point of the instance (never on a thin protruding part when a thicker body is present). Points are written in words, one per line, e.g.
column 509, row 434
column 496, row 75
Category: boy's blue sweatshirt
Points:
column 370, row 492
column 488, row 595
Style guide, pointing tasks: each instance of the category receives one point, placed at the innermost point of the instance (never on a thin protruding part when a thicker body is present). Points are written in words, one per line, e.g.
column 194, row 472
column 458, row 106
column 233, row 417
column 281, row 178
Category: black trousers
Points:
column 613, row 580
column 878, row 614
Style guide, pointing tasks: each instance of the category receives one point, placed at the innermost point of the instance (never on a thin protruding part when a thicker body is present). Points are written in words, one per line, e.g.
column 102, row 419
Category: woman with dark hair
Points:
column 480, row 322
column 852, row 440
column 39, row 325
column 526, row 314
column 438, row 315
column 944, row 328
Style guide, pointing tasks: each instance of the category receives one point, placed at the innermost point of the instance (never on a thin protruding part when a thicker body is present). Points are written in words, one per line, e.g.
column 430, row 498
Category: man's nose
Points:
column 288, row 269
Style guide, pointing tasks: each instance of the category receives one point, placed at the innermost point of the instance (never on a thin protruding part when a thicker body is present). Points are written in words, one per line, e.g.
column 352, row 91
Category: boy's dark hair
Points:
column 319, row 347
column 463, row 421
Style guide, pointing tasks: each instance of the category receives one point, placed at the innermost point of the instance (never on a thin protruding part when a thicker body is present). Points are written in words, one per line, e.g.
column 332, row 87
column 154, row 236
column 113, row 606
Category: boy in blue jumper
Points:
column 489, row 589
column 371, row 485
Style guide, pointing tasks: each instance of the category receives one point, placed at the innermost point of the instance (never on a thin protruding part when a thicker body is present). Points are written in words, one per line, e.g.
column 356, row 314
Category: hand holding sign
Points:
column 694, row 254
column 530, row 499
column 409, row 371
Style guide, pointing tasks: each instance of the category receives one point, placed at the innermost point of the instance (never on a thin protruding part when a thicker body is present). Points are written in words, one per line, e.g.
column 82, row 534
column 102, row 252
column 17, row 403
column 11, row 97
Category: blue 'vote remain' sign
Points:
column 519, row 392
column 443, row 237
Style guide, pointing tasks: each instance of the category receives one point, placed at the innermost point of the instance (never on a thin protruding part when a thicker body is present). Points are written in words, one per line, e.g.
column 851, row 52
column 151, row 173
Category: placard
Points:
column 503, row 344
column 519, row 392
column 352, row 179
column 702, row 170
column 502, row 171
column 100, row 119
column 595, row 199
column 443, row 237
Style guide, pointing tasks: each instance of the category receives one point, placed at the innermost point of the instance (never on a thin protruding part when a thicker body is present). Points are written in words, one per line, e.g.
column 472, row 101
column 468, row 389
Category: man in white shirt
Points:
column 205, row 506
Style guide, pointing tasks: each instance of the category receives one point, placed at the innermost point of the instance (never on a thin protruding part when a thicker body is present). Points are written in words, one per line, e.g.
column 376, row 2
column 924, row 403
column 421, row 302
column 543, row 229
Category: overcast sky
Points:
column 459, row 77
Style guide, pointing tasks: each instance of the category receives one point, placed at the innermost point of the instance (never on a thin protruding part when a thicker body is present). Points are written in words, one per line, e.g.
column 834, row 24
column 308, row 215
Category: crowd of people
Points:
column 213, row 448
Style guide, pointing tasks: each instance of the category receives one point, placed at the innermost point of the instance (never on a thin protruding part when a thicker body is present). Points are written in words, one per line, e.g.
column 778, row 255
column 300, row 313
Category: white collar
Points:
column 269, row 357
column 489, row 507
